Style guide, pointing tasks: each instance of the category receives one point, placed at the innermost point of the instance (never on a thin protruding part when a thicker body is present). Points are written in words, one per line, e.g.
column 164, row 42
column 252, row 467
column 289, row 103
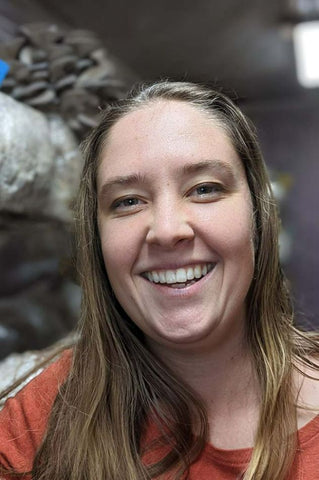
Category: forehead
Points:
column 166, row 131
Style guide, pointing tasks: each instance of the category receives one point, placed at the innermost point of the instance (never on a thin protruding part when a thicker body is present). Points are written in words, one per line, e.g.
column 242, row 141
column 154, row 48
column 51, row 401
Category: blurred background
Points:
column 68, row 57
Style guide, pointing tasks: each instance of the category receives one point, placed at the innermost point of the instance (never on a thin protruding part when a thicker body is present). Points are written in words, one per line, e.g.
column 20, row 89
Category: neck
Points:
column 225, row 380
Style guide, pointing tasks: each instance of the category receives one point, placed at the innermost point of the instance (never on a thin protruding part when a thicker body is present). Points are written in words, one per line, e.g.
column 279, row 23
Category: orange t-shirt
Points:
column 24, row 418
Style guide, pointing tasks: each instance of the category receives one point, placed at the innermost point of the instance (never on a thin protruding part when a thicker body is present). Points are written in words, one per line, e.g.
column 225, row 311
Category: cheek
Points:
column 111, row 248
column 232, row 227
column 241, row 225
column 239, row 236
column 119, row 249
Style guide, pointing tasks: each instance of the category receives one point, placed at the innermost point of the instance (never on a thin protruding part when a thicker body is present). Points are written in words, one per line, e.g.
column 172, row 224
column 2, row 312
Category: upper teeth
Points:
column 180, row 275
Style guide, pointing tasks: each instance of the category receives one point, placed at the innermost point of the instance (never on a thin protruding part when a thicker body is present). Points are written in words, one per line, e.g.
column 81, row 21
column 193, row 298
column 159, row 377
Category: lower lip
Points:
column 181, row 292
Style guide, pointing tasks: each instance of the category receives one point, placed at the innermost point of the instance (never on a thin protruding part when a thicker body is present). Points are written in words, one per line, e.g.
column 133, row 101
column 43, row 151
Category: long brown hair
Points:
column 98, row 421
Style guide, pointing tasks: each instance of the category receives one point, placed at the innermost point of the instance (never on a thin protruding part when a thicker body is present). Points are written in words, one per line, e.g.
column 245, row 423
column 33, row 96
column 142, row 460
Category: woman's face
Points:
column 175, row 221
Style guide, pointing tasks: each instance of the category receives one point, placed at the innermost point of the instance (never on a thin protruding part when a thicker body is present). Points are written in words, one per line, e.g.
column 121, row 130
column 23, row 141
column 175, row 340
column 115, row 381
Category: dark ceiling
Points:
column 243, row 45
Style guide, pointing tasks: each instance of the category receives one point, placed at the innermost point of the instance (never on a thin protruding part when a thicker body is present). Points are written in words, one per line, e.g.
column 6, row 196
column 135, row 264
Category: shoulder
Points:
column 24, row 416
column 307, row 386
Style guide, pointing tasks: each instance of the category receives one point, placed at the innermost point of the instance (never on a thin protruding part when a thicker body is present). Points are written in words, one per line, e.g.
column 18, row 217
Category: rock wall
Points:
column 39, row 162
column 40, row 167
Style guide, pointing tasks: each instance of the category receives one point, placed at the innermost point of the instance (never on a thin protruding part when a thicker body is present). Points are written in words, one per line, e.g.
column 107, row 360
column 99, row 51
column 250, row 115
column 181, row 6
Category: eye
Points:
column 207, row 190
column 127, row 203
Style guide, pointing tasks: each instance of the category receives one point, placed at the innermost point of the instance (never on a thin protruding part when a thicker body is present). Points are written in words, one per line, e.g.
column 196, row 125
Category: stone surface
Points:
column 39, row 301
column 67, row 169
column 39, row 162
column 26, row 158
column 40, row 167
column 46, row 62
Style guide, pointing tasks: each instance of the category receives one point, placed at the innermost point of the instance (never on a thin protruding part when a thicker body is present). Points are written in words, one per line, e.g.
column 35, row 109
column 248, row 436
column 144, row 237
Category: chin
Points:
column 182, row 336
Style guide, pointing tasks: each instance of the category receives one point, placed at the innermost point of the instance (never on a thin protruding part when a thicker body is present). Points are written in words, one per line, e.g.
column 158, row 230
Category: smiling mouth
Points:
column 181, row 277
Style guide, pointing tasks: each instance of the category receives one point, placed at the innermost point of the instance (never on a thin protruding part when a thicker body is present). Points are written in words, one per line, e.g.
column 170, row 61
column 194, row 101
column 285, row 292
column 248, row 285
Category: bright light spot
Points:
column 306, row 44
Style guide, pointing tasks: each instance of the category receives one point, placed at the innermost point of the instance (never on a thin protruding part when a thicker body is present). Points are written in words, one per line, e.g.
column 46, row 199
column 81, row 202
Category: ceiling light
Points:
column 306, row 45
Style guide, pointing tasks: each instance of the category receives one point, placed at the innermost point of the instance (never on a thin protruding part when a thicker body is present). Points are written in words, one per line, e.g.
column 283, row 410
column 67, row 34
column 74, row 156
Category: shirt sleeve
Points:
column 24, row 417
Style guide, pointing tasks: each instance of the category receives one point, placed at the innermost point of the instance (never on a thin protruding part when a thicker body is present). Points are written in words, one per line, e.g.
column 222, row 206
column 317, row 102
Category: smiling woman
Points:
column 188, row 363
column 186, row 207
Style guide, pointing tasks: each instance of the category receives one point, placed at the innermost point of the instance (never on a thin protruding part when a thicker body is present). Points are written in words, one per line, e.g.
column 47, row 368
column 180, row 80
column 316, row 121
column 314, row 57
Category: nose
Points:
column 170, row 224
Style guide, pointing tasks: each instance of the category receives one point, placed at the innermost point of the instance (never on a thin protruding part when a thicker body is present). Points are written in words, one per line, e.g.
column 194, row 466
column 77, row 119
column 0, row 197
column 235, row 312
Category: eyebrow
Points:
column 215, row 165
column 124, row 180
column 196, row 167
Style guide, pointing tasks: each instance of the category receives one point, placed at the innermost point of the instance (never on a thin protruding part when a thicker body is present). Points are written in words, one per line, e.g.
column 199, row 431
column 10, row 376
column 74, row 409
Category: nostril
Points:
column 169, row 230
column 166, row 237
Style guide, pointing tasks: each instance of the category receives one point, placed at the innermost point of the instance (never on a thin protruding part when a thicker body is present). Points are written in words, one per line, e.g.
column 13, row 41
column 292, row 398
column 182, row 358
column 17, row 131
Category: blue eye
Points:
column 207, row 190
column 126, row 203
column 129, row 202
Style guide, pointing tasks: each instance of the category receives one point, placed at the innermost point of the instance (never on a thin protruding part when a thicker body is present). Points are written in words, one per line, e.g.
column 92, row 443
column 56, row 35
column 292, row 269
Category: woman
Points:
column 188, row 364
